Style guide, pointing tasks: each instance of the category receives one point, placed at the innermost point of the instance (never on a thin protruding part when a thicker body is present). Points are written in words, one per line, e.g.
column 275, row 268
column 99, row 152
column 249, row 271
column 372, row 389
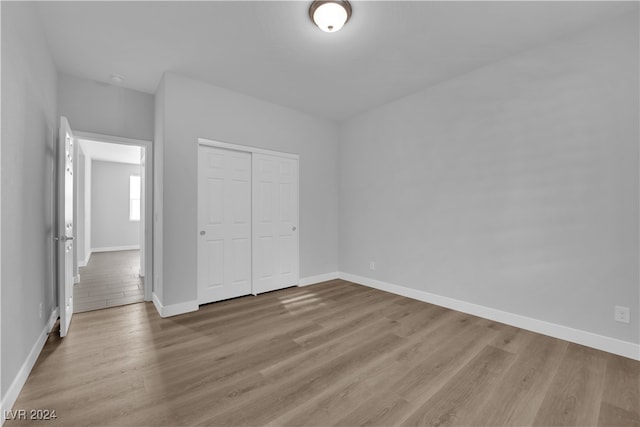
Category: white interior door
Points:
column 65, row 225
column 275, row 222
column 224, row 220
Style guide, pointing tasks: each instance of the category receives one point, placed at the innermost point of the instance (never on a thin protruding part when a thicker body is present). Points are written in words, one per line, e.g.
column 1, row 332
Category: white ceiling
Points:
column 111, row 152
column 271, row 50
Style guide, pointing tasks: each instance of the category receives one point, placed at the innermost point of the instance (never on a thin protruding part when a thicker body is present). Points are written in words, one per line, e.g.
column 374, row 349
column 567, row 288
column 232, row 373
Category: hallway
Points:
column 110, row 279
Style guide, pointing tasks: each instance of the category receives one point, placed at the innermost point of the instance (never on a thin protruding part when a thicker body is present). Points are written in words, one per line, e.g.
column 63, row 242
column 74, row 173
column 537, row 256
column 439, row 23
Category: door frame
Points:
column 148, row 194
column 248, row 149
column 252, row 150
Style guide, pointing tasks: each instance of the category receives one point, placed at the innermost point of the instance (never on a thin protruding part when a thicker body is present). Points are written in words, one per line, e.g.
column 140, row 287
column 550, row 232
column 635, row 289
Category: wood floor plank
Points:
column 438, row 367
column 281, row 397
column 575, row 394
column 525, row 384
column 382, row 410
column 329, row 406
column 105, row 280
column 90, row 305
column 461, row 394
column 611, row 415
column 621, row 393
column 335, row 353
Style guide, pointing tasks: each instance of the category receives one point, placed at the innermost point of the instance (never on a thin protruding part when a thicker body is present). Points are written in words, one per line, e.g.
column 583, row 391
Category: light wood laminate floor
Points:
column 110, row 279
column 335, row 353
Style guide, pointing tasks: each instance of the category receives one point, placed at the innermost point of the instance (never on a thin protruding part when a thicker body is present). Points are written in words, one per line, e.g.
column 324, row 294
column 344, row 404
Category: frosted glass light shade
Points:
column 330, row 16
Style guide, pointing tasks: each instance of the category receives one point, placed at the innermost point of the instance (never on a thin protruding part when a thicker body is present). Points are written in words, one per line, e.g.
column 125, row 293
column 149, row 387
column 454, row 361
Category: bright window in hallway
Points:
column 134, row 198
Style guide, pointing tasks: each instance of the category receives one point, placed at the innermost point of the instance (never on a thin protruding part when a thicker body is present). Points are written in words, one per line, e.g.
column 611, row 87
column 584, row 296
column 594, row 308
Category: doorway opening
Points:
column 109, row 199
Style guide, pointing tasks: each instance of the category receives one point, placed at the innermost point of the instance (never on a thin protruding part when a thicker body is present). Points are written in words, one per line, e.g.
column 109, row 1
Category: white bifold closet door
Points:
column 248, row 223
column 224, row 218
column 275, row 222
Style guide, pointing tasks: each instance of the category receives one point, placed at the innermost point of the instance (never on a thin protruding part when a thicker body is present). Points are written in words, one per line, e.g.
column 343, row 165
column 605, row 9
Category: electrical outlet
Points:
column 621, row 314
column 372, row 265
column 40, row 311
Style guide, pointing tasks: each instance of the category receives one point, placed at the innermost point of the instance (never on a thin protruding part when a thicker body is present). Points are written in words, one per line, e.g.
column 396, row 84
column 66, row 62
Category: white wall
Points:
column 110, row 224
column 29, row 123
column 105, row 109
column 193, row 109
column 514, row 187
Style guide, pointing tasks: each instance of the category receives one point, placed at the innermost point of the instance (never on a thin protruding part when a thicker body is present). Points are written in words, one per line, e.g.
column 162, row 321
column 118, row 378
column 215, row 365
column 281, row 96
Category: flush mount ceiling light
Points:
column 330, row 15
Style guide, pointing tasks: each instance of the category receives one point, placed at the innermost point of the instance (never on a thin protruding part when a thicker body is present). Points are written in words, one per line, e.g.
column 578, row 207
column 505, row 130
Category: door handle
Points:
column 64, row 238
column 293, row 228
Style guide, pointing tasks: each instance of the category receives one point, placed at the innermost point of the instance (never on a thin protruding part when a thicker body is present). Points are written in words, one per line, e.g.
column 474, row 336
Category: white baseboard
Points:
column 156, row 303
column 174, row 309
column 18, row 382
column 115, row 248
column 589, row 339
column 319, row 278
column 76, row 279
column 84, row 262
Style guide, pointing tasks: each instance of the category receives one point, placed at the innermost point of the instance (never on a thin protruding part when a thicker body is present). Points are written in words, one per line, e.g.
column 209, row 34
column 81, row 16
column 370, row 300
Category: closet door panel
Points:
column 275, row 222
column 224, row 221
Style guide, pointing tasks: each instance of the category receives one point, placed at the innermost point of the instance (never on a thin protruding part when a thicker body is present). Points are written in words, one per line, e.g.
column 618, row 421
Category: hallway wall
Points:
column 105, row 109
column 110, row 224
column 29, row 128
